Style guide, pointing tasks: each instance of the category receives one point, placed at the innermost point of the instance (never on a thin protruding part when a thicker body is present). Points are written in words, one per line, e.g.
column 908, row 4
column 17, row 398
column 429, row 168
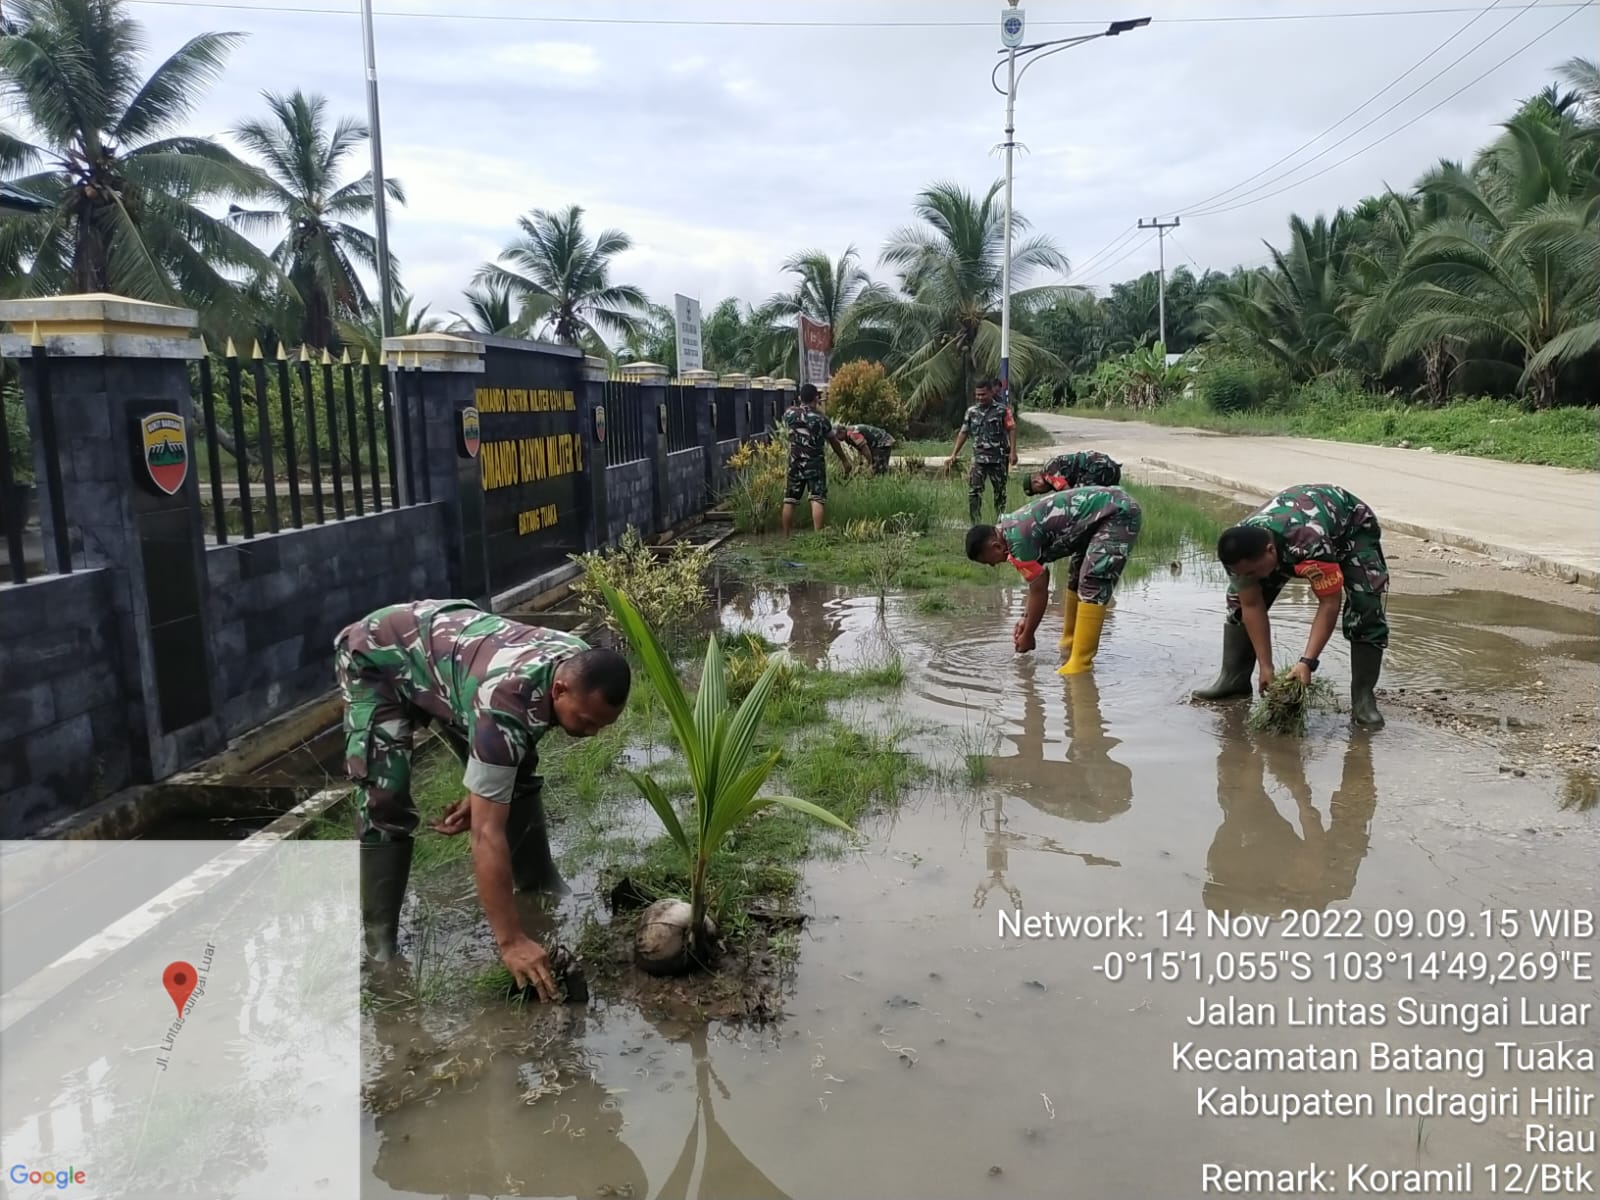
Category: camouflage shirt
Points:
column 988, row 426
column 1058, row 526
column 1311, row 523
column 809, row 431
column 1082, row 467
column 868, row 437
column 486, row 675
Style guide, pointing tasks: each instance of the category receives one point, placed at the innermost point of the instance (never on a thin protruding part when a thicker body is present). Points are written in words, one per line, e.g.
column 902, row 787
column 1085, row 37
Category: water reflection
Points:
column 1090, row 785
column 1258, row 862
column 998, row 844
column 535, row 1121
column 710, row 1166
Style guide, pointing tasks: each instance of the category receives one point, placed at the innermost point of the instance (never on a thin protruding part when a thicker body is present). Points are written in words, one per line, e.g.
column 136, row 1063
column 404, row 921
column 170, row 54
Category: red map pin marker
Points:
column 179, row 980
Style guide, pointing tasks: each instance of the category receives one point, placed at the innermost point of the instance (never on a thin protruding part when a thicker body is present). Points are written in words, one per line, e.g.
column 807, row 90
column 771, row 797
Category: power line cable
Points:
column 1199, row 204
column 1114, row 244
column 1185, row 252
column 1134, row 249
column 769, row 23
column 1402, row 128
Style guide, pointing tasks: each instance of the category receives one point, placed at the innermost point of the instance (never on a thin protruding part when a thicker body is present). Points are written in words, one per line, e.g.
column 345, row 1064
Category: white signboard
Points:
column 686, row 316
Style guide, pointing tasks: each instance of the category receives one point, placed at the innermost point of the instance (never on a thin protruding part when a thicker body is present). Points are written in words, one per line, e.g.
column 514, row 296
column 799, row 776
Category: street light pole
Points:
column 379, row 200
column 1011, row 30
column 1005, row 266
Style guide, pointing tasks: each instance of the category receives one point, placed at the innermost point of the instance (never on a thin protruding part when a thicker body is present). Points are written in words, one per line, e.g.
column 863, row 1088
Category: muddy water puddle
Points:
column 924, row 1054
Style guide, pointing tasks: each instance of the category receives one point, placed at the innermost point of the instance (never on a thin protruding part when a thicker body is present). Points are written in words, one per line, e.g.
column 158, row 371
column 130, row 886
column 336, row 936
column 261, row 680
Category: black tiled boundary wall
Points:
column 87, row 702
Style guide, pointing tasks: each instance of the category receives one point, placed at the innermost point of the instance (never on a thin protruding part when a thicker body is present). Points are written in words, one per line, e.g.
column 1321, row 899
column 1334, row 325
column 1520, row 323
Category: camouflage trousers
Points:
column 1366, row 585
column 1094, row 571
column 379, row 728
column 880, row 459
column 996, row 475
column 803, row 478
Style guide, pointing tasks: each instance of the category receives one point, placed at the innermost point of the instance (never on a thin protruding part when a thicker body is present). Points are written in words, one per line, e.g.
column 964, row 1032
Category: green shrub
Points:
column 1235, row 385
column 861, row 393
column 17, row 438
column 668, row 590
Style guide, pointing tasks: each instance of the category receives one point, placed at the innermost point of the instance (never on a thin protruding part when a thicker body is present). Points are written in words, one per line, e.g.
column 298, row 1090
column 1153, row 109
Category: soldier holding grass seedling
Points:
column 809, row 432
column 1329, row 538
column 870, row 442
column 1080, row 468
column 493, row 687
column 1096, row 528
column 993, row 431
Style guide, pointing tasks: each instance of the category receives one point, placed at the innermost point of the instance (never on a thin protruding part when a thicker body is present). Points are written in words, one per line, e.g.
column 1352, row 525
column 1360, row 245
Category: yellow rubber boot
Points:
column 1085, row 639
column 1069, row 618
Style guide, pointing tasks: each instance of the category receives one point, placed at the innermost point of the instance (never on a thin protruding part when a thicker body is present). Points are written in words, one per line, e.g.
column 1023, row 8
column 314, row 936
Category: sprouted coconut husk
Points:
column 1282, row 708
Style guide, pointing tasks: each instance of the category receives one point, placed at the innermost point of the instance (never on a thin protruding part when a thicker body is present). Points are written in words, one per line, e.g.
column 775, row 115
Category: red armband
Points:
column 1325, row 578
column 1030, row 570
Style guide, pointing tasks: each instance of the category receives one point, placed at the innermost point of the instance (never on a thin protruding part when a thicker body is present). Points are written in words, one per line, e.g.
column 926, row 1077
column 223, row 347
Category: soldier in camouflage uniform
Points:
column 1081, row 468
column 1096, row 528
column 1330, row 538
column 809, row 432
column 994, row 448
column 493, row 687
column 870, row 442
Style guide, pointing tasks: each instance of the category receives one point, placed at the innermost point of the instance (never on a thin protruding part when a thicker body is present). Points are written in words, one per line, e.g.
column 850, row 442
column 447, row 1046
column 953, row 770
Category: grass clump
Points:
column 1284, row 705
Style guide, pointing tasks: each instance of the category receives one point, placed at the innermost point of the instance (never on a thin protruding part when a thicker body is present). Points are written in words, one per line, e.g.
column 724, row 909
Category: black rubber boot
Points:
column 1238, row 661
column 1366, row 664
column 385, row 870
column 533, row 869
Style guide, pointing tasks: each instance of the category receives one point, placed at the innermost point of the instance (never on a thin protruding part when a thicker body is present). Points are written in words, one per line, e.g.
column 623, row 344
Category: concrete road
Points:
column 1544, row 518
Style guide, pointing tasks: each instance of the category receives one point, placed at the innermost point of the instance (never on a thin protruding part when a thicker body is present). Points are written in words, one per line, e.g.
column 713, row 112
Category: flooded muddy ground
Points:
column 922, row 1053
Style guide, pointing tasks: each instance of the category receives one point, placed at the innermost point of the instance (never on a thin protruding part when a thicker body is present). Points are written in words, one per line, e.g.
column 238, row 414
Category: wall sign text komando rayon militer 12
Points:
column 164, row 447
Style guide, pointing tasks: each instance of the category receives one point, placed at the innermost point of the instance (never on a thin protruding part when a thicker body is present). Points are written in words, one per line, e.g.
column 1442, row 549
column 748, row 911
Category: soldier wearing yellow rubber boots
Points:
column 1094, row 527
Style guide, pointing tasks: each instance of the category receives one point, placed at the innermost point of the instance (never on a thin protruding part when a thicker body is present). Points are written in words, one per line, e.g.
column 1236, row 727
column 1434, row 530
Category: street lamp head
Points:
column 1123, row 26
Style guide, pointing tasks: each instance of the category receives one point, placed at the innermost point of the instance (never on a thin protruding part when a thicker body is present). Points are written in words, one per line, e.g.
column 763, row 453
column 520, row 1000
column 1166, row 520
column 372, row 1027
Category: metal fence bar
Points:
column 291, row 462
column 13, row 509
column 241, row 456
column 311, row 434
column 420, row 439
column 208, row 415
column 52, row 461
column 269, row 483
column 391, row 425
column 331, row 407
column 352, row 430
column 372, row 432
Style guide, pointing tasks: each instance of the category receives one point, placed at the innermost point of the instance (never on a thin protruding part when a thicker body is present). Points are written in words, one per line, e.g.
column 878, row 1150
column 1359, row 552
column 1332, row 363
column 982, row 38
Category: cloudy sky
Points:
column 724, row 136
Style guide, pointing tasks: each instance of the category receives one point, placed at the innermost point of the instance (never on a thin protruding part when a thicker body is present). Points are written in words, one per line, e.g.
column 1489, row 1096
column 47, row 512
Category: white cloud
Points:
column 570, row 60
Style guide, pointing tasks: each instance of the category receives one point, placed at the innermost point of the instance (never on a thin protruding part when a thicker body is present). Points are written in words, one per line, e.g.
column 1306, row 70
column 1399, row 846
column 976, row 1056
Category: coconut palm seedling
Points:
column 726, row 773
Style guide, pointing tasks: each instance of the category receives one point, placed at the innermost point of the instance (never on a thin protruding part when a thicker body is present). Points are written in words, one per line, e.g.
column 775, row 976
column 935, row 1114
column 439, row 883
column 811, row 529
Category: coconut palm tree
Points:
column 946, row 322
column 490, row 309
column 366, row 335
column 127, row 197
column 829, row 291
column 305, row 197
column 1518, row 268
column 563, row 279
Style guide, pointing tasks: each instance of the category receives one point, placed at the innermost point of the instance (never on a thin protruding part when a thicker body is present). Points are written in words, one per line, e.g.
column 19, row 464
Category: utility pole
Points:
column 379, row 200
column 1161, row 240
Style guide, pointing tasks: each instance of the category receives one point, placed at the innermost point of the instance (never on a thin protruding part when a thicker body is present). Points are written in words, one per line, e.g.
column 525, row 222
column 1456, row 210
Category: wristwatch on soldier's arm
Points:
column 1311, row 663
